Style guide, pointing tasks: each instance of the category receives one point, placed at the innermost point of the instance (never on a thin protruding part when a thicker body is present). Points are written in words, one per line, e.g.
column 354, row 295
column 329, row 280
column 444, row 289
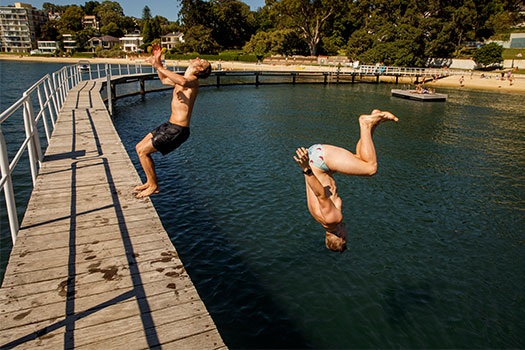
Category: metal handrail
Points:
column 48, row 96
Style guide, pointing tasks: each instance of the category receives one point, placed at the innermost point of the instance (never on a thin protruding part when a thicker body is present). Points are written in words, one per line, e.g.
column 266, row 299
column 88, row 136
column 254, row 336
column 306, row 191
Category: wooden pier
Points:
column 92, row 267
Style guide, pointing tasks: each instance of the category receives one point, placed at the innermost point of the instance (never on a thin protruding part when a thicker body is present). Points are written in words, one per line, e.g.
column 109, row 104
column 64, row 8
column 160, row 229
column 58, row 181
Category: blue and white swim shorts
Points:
column 315, row 153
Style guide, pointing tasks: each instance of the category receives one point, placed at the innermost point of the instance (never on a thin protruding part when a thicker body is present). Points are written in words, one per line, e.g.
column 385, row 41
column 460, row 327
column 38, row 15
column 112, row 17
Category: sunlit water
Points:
column 436, row 248
column 436, row 254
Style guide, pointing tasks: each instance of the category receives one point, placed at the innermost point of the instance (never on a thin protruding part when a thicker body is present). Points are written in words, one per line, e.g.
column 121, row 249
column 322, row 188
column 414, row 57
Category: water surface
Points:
column 436, row 246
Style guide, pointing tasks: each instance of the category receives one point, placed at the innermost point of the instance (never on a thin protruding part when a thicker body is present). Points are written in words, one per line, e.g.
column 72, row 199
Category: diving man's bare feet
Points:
column 377, row 117
column 146, row 190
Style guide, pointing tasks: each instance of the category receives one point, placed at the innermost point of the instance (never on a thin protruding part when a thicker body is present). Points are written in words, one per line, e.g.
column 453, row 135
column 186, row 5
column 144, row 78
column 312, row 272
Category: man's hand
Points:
column 302, row 159
column 154, row 59
column 157, row 51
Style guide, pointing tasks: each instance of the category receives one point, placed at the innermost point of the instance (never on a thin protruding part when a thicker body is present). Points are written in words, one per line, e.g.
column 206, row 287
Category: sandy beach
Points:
column 474, row 81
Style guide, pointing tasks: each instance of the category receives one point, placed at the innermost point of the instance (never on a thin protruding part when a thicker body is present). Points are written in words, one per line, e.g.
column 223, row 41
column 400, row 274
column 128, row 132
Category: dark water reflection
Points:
column 436, row 254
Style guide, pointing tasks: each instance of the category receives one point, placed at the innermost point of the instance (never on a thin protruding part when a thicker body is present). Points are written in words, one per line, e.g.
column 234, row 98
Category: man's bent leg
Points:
column 364, row 162
column 144, row 150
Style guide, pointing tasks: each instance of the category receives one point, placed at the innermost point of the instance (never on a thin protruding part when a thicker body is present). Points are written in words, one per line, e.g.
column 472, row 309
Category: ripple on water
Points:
column 434, row 250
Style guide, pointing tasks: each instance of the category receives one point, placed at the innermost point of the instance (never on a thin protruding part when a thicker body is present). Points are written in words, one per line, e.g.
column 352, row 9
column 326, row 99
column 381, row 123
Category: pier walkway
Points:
column 92, row 267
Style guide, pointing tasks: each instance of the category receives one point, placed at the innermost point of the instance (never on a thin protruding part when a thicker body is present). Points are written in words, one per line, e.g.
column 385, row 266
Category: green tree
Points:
column 90, row 7
column 82, row 37
column 110, row 12
column 111, row 29
column 49, row 7
column 194, row 13
column 147, row 33
column 49, row 31
column 232, row 23
column 152, row 30
column 283, row 42
column 146, row 13
column 71, row 20
column 488, row 54
column 260, row 44
column 309, row 16
column 200, row 39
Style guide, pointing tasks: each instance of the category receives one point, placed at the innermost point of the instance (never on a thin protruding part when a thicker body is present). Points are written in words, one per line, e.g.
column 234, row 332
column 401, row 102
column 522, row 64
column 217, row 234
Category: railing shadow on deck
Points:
column 137, row 291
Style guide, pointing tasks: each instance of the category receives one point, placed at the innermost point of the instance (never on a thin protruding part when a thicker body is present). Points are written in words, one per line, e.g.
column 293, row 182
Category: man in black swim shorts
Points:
column 167, row 137
column 170, row 135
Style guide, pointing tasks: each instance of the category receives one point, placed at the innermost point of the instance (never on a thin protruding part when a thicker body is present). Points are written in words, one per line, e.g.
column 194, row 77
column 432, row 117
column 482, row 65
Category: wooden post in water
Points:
column 142, row 86
column 257, row 78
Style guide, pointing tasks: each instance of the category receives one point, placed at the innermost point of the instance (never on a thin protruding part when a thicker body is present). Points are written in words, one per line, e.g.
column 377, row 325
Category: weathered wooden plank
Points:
column 167, row 279
column 121, row 285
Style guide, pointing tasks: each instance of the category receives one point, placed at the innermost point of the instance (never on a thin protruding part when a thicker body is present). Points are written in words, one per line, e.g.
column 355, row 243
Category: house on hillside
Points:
column 106, row 42
column 47, row 47
column 131, row 42
column 171, row 40
column 91, row 22
column 69, row 43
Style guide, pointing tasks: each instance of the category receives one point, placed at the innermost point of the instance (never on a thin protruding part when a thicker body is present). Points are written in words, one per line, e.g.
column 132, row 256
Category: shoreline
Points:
column 491, row 82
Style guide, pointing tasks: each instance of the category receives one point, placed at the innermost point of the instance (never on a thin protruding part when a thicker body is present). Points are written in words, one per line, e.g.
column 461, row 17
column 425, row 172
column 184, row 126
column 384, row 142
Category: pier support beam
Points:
column 142, row 87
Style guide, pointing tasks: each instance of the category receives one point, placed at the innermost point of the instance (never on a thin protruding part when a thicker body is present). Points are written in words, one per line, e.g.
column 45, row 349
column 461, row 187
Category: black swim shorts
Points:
column 169, row 136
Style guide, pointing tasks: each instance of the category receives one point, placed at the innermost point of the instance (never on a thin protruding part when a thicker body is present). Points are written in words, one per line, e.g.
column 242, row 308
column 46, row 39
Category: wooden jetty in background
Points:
column 92, row 267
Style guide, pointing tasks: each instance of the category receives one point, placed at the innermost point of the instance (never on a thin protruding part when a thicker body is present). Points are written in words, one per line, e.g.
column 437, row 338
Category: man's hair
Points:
column 205, row 72
column 335, row 243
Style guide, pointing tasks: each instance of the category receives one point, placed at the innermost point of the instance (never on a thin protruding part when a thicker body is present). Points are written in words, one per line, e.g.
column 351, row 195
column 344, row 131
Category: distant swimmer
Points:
column 171, row 134
column 321, row 161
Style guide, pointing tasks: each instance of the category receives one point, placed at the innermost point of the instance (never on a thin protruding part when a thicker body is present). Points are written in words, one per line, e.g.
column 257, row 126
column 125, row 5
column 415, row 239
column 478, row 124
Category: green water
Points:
column 436, row 247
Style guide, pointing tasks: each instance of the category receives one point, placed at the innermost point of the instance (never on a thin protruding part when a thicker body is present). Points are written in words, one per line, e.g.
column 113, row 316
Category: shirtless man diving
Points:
column 171, row 134
column 321, row 161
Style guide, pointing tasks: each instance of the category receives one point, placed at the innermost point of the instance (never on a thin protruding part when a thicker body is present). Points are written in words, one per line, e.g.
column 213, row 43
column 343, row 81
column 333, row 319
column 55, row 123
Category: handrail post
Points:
column 54, row 97
column 8, row 189
column 43, row 111
column 30, row 135
column 50, row 98
column 108, row 88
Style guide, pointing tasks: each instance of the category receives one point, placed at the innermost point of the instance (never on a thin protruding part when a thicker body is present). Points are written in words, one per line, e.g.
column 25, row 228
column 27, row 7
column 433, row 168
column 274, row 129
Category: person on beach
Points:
column 318, row 164
column 171, row 134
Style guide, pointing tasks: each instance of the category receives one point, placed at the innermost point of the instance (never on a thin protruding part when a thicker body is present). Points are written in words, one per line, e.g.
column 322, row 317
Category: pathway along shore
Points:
column 491, row 81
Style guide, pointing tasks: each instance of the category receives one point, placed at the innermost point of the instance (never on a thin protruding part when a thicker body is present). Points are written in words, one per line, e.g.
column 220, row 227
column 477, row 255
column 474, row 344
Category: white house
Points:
column 70, row 44
column 47, row 47
column 131, row 42
column 169, row 41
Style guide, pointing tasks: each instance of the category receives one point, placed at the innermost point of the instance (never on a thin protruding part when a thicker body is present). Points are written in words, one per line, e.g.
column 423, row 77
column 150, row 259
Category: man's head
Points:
column 201, row 67
column 335, row 239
